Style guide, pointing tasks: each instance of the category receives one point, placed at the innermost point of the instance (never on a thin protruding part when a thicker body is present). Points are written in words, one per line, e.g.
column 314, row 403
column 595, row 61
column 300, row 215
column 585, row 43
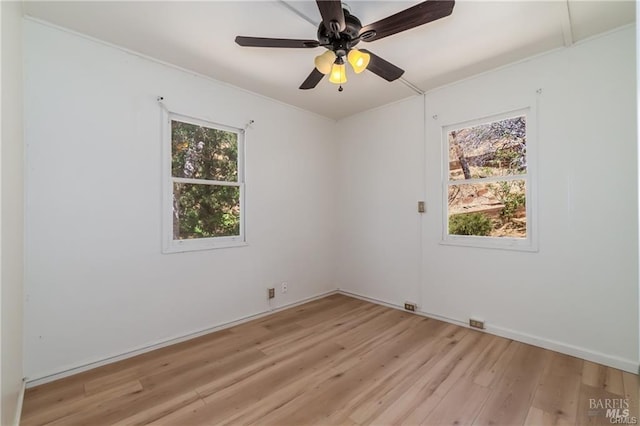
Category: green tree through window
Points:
column 206, row 181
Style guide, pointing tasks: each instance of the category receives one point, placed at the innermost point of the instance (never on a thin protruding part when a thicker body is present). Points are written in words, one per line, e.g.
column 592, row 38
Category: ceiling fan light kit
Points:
column 340, row 31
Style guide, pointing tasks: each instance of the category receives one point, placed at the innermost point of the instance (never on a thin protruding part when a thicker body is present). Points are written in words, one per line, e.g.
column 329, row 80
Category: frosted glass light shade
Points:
column 325, row 61
column 338, row 73
column 358, row 60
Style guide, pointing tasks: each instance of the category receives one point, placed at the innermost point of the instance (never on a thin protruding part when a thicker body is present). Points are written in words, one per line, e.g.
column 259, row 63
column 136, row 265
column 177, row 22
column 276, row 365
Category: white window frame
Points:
column 530, row 242
column 169, row 245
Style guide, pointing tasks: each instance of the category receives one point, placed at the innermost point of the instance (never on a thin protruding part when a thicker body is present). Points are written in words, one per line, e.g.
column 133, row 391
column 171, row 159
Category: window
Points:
column 487, row 186
column 204, row 194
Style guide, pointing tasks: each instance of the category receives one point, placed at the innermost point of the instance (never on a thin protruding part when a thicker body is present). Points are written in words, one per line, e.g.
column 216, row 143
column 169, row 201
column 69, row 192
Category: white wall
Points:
column 97, row 284
column 579, row 292
column 381, row 173
column 12, row 207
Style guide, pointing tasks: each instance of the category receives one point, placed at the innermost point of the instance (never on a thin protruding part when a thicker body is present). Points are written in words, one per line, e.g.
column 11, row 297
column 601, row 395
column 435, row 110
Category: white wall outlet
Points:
column 284, row 287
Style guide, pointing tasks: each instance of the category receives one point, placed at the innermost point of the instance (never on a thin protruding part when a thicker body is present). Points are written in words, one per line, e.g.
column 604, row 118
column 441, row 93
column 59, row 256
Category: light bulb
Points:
column 358, row 60
column 325, row 61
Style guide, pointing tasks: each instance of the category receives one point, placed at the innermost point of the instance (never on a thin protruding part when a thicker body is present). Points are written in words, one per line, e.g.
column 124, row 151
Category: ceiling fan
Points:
column 340, row 31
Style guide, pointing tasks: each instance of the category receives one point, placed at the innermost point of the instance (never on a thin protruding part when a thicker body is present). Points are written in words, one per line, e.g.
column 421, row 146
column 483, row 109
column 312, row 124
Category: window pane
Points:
column 203, row 153
column 203, row 211
column 489, row 209
column 492, row 149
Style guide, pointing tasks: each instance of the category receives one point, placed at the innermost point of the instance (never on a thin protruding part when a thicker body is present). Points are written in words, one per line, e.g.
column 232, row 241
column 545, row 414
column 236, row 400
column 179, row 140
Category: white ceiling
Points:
column 199, row 36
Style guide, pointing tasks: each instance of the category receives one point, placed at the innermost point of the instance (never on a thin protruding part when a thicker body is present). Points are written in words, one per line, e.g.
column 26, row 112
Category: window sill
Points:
column 195, row 245
column 511, row 244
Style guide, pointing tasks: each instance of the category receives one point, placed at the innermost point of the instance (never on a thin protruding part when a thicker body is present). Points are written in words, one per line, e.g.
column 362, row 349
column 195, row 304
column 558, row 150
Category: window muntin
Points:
column 486, row 192
column 205, row 186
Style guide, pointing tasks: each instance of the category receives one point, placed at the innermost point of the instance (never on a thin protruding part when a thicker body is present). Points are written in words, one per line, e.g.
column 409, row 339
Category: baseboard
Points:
column 16, row 421
column 109, row 360
column 401, row 308
column 579, row 352
column 600, row 358
column 576, row 351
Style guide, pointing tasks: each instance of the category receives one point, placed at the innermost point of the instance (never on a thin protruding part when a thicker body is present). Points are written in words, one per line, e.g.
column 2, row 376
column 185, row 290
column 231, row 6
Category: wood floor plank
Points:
column 161, row 411
column 538, row 417
column 202, row 370
column 463, row 362
column 333, row 326
column 389, row 383
column 175, row 417
column 558, row 389
column 159, row 391
column 60, row 413
column 613, row 381
column 488, row 374
column 289, row 351
column 44, row 397
column 225, row 403
column 588, row 415
column 600, row 376
column 166, row 358
column 512, row 396
column 336, row 361
column 418, row 396
column 631, row 384
column 331, row 393
column 594, row 374
column 460, row 406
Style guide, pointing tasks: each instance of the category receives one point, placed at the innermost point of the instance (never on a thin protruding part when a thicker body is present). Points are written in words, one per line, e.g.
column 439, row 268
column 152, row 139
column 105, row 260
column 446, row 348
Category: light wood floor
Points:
column 337, row 360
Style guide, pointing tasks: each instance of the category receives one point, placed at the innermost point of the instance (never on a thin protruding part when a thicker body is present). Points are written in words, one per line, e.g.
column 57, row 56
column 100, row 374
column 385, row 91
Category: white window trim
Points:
column 169, row 245
column 530, row 243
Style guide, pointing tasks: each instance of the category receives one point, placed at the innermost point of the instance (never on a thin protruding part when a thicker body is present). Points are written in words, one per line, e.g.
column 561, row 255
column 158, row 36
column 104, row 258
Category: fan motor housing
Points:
column 348, row 37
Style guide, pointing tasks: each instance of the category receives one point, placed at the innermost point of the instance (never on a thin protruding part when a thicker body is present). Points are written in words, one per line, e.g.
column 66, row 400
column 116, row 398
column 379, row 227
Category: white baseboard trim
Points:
column 401, row 308
column 579, row 352
column 23, row 388
column 600, row 358
column 172, row 341
column 567, row 349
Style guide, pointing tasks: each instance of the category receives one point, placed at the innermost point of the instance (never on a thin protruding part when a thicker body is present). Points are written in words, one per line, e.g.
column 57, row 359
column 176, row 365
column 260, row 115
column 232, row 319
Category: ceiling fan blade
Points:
column 415, row 16
column 331, row 11
column 275, row 42
column 383, row 68
column 313, row 80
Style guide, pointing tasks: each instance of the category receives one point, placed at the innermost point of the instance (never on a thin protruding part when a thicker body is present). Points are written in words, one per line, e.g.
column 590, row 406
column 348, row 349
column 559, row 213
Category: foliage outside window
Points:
column 487, row 183
column 206, row 185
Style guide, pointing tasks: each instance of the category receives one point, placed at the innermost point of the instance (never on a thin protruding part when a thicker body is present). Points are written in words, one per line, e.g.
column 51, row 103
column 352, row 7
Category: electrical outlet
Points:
column 410, row 306
column 476, row 323
column 271, row 293
column 284, row 288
